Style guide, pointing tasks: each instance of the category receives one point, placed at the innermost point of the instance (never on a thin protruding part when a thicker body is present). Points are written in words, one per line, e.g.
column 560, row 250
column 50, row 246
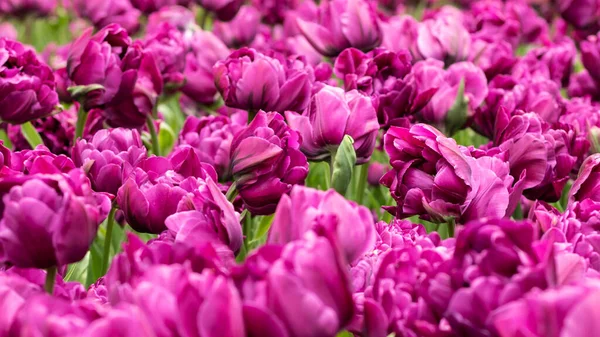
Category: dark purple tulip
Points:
column 169, row 51
column 306, row 209
column 583, row 85
column 342, row 24
column 50, row 220
column 96, row 59
column 252, row 81
column 206, row 215
column 224, row 10
column 207, row 49
column 103, row 13
column 493, row 58
column 22, row 8
column 150, row 6
column 580, row 13
column 590, row 56
column 240, row 31
column 28, row 88
column 141, row 84
column 274, row 11
column 433, row 178
column 266, row 162
column 108, row 157
column 211, row 137
column 331, row 115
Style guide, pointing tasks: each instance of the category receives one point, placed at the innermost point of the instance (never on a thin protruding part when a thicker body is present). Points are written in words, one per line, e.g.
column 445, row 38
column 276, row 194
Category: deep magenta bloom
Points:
column 211, row 137
column 23, row 8
column 96, row 60
column 169, row 51
column 240, row 31
column 580, row 13
column 331, row 115
column 206, row 215
column 207, row 49
column 28, row 88
column 444, row 38
column 103, row 13
column 225, row 10
column 274, row 11
column 266, row 162
column 253, row 81
column 306, row 209
column 109, row 157
column 342, row 24
column 432, row 177
column 149, row 6
column 49, row 220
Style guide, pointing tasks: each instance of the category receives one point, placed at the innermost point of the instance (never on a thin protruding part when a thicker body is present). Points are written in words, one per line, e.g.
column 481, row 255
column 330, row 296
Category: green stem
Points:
column 328, row 178
column 31, row 135
column 153, row 136
column 331, row 165
column 81, row 119
column 363, row 170
column 50, row 279
column 203, row 19
column 451, row 226
column 110, row 222
column 232, row 192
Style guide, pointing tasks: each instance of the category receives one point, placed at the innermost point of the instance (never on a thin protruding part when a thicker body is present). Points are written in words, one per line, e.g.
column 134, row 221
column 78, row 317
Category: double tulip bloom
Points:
column 211, row 137
column 108, row 157
column 28, row 86
column 342, row 24
column 104, row 13
column 48, row 219
column 224, row 10
column 331, row 115
column 252, row 81
column 307, row 209
column 128, row 77
column 266, row 162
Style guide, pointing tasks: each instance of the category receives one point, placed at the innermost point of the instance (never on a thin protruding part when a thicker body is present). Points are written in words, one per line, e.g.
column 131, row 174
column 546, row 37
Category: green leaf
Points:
column 77, row 272
column 166, row 138
column 264, row 224
column 458, row 113
column 318, row 176
column 31, row 135
column 344, row 334
column 343, row 165
column 5, row 139
column 94, row 268
column 78, row 91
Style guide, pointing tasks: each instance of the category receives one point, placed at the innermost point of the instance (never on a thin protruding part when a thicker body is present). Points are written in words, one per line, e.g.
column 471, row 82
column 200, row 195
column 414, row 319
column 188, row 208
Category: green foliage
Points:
column 31, row 135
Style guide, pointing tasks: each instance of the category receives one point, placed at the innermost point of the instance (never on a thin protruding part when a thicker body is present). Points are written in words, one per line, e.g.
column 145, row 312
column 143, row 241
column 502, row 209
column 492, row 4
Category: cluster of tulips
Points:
column 299, row 168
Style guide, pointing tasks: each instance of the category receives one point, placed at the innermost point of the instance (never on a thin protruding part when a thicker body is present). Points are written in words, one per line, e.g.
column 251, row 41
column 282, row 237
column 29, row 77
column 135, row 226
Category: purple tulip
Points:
column 155, row 188
column 150, row 6
column 376, row 171
column 493, row 58
column 431, row 177
column 169, row 51
column 103, row 13
column 444, row 38
column 342, row 24
column 307, row 208
column 590, row 54
column 28, row 85
column 108, row 157
column 224, row 10
column 331, row 115
column 400, row 33
column 580, row 13
column 587, row 182
column 206, row 216
column 176, row 17
column 207, row 49
column 96, row 59
column 475, row 91
column 583, row 85
column 124, row 321
column 141, row 84
column 274, row 11
column 240, row 31
column 266, row 162
column 40, row 160
column 49, row 220
column 21, row 8
column 252, row 81
column 211, row 137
